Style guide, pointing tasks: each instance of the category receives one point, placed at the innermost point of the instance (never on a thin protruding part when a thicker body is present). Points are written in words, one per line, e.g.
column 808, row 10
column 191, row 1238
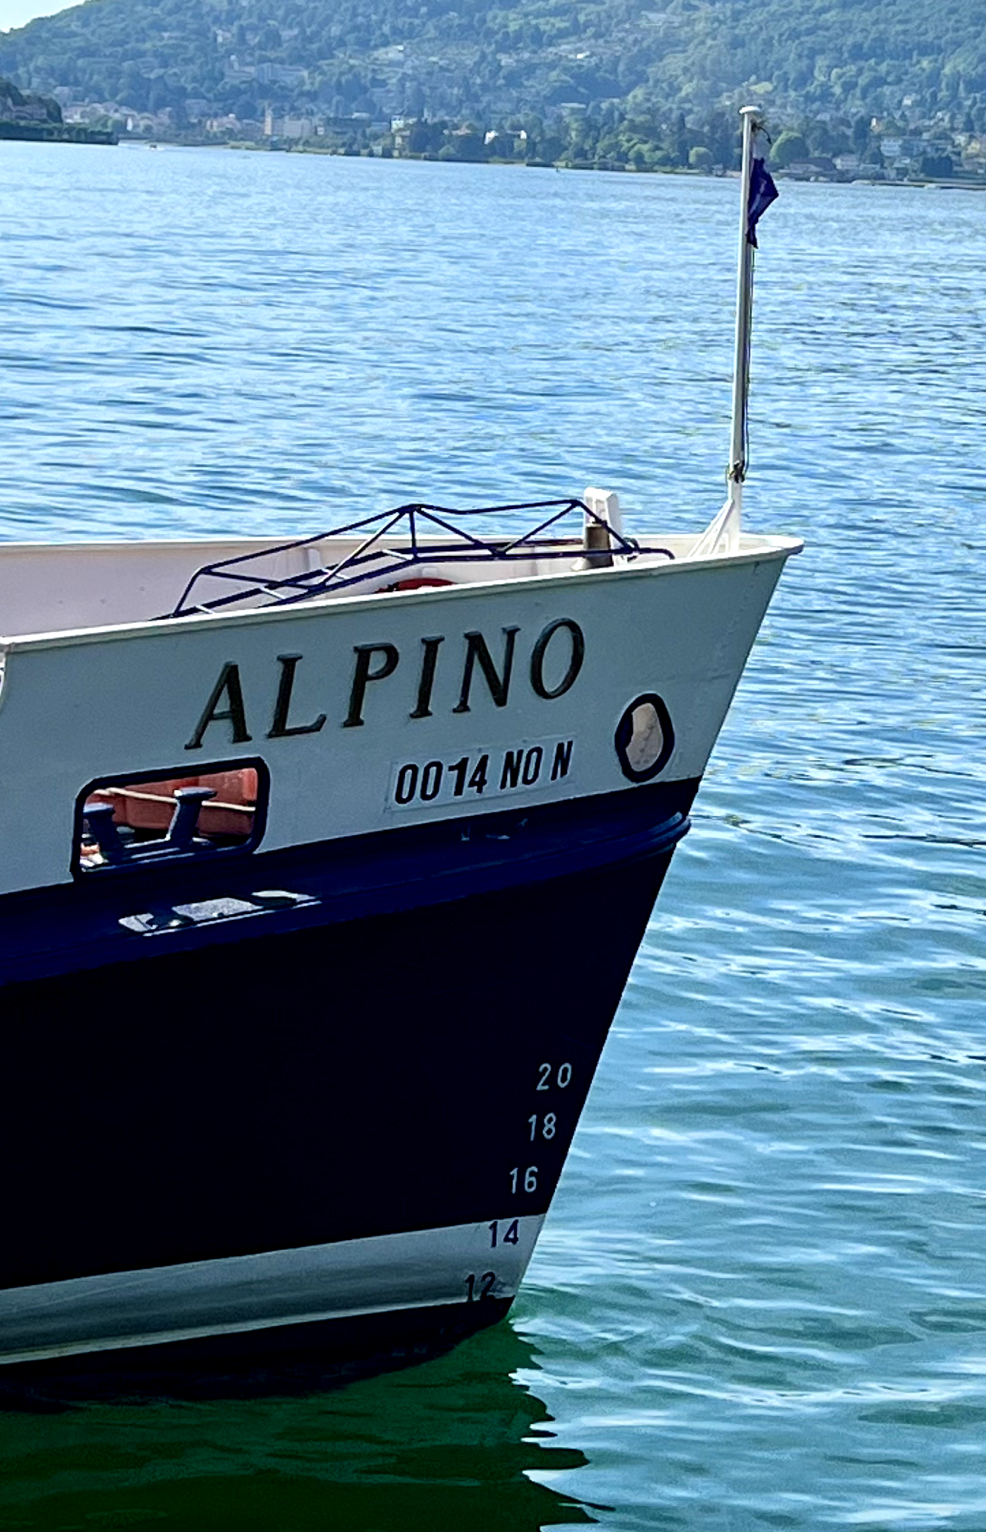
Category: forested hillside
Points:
column 494, row 60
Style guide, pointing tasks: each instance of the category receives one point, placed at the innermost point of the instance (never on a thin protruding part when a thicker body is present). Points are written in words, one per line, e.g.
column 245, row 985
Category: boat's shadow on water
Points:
column 451, row 1442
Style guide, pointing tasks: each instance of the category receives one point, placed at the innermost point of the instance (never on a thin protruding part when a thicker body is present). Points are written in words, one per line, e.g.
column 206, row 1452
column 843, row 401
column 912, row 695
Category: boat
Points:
column 325, row 863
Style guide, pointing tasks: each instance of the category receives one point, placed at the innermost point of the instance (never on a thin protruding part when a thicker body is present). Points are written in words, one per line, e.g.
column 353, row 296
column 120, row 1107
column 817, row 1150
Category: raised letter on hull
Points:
column 363, row 674
column 280, row 728
column 235, row 713
column 476, row 648
column 428, row 662
column 574, row 665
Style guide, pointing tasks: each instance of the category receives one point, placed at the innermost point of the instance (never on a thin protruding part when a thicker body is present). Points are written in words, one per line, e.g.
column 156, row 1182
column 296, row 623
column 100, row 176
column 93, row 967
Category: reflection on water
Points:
column 457, row 1442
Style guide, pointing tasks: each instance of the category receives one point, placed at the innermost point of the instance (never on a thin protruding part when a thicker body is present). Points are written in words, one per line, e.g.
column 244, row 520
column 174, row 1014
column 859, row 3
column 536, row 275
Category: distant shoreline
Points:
column 55, row 133
column 612, row 168
column 72, row 133
column 954, row 184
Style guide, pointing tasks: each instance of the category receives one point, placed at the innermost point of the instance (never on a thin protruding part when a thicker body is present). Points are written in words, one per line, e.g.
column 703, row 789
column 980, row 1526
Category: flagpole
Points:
column 736, row 470
column 757, row 192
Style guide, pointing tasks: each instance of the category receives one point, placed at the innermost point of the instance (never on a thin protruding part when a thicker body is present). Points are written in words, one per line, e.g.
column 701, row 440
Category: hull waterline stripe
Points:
column 420, row 1269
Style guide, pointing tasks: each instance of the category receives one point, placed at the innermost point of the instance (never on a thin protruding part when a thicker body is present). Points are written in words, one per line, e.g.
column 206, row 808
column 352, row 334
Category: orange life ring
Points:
column 417, row 584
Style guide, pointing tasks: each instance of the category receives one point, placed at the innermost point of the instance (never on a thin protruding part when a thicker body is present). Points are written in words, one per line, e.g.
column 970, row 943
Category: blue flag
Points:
column 762, row 194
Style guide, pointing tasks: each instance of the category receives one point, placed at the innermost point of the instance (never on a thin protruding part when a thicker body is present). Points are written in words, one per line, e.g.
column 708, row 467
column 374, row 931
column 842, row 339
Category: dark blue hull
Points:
column 333, row 1045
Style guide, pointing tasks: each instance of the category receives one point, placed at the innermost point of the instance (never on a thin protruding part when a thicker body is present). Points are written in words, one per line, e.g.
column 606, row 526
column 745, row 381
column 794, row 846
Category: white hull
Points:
column 336, row 697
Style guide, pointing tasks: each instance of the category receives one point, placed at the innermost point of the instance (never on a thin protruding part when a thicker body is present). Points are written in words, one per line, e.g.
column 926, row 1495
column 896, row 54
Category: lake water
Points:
column 760, row 1298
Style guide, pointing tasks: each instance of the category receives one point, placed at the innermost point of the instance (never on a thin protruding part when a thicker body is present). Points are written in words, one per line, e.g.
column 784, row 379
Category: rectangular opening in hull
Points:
column 147, row 819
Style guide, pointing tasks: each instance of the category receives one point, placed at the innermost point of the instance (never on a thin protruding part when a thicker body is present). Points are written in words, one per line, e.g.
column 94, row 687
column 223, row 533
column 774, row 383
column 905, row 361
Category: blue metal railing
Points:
column 375, row 558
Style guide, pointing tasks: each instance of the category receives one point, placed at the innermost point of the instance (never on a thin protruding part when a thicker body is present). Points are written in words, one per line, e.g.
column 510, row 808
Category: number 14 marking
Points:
column 509, row 1237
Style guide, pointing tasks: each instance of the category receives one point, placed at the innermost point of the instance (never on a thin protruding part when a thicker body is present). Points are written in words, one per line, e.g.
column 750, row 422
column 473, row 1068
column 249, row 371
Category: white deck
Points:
column 48, row 588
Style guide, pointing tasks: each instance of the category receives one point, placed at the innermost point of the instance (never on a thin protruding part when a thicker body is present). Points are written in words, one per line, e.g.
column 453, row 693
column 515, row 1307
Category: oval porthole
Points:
column 644, row 738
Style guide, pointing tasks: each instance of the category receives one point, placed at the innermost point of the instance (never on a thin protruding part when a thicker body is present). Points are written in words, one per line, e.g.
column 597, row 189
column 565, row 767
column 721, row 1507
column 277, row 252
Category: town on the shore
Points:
column 828, row 147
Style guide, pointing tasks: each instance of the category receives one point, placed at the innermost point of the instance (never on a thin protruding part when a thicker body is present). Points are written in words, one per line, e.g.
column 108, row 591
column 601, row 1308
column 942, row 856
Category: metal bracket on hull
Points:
column 180, row 839
column 376, row 558
column 154, row 818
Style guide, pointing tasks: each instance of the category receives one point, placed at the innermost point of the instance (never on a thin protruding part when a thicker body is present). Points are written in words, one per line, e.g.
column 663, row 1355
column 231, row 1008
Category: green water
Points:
column 453, row 1442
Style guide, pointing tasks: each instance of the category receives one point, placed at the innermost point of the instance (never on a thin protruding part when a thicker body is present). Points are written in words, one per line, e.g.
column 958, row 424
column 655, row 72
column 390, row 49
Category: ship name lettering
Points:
column 280, row 728
column 556, row 660
column 227, row 688
column 364, row 656
column 498, row 682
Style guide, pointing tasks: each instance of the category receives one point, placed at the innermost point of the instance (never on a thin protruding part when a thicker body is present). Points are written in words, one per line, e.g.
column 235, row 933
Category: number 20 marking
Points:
column 563, row 1076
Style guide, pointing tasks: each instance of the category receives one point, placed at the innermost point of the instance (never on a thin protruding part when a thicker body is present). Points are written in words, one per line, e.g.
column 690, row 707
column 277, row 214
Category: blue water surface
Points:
column 760, row 1298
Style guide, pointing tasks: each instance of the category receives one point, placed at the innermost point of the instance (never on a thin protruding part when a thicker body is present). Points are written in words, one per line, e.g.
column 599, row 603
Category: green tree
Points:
column 937, row 167
column 788, row 148
column 861, row 134
column 832, row 64
column 426, row 137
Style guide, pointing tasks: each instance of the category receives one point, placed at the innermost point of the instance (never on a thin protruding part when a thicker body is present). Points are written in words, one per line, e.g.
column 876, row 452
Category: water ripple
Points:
column 759, row 1300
